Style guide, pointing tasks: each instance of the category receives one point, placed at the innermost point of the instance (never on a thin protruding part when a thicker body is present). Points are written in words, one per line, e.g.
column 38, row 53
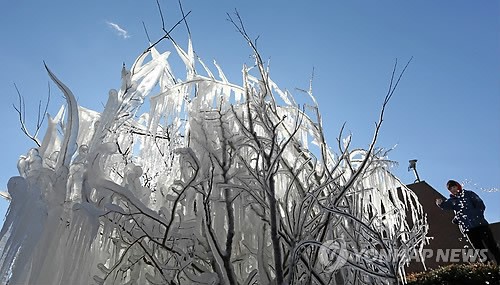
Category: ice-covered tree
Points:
column 203, row 181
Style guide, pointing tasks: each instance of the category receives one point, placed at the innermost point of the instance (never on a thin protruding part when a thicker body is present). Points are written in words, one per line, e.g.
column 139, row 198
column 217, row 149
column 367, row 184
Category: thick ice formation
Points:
column 217, row 183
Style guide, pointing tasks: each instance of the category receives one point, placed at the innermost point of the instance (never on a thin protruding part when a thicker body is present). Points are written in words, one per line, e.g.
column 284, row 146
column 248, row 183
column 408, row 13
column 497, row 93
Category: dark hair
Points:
column 452, row 183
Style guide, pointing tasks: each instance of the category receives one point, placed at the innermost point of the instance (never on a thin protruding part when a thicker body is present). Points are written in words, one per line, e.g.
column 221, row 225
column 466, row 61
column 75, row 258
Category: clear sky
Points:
column 445, row 113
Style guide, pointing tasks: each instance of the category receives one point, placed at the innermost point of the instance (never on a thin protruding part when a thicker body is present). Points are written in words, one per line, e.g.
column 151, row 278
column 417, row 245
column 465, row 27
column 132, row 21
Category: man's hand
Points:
column 439, row 201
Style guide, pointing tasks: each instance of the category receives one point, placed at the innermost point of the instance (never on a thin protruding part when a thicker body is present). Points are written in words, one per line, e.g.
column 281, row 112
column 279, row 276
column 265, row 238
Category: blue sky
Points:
column 446, row 111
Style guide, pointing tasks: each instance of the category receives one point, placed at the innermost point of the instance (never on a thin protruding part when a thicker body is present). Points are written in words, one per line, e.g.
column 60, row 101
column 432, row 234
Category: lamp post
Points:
column 413, row 166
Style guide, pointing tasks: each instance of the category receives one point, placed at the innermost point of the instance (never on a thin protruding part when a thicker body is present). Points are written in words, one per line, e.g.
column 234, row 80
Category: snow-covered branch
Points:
column 217, row 182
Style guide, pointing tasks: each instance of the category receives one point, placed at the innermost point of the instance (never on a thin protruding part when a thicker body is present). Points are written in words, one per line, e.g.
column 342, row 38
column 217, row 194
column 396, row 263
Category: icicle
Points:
column 221, row 74
column 51, row 141
column 143, row 201
column 68, row 147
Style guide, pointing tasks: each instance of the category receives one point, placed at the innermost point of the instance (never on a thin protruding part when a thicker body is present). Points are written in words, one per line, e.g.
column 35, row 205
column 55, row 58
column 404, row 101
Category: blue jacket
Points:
column 468, row 208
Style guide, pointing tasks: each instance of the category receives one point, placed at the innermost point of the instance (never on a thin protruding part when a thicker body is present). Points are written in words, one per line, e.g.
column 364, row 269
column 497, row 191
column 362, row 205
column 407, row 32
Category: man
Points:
column 469, row 215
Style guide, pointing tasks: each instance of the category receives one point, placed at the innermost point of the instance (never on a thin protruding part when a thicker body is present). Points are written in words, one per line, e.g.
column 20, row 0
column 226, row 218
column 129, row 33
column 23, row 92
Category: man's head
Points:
column 454, row 187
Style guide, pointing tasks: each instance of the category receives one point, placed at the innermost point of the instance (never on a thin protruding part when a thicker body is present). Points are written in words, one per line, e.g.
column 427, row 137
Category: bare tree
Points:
column 21, row 111
column 218, row 183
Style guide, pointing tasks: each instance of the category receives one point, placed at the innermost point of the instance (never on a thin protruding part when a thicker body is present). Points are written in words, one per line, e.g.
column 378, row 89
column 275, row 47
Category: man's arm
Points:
column 444, row 204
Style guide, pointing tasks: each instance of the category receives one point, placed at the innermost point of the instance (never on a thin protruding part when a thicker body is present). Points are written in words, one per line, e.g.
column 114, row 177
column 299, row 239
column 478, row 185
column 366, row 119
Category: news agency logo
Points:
column 333, row 254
